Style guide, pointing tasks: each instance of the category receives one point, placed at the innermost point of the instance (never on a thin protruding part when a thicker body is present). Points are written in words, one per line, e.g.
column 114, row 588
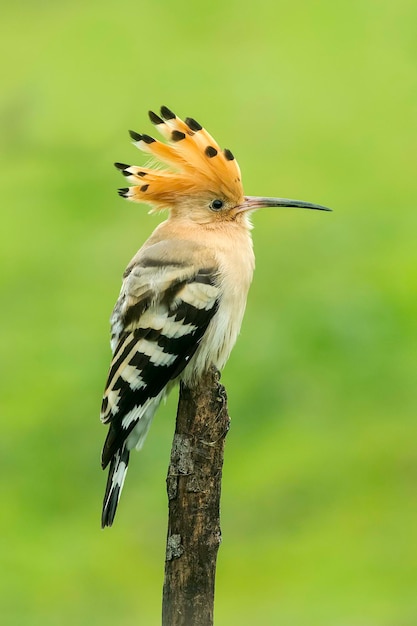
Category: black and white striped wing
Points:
column 159, row 320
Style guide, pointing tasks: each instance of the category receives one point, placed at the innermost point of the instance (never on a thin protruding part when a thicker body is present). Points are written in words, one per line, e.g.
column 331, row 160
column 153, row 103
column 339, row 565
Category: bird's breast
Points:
column 236, row 263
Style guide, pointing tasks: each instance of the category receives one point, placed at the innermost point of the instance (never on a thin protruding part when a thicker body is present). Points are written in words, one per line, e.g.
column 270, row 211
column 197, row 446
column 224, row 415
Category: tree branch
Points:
column 193, row 486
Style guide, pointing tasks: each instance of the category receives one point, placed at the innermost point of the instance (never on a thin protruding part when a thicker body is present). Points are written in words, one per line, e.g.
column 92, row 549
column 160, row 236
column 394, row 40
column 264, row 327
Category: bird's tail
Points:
column 115, row 480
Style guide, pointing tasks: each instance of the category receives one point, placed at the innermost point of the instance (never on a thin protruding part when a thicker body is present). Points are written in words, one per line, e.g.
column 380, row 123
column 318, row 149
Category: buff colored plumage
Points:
column 184, row 293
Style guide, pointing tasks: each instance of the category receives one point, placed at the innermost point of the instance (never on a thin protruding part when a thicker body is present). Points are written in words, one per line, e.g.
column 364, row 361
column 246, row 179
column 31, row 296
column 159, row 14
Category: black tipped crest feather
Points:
column 177, row 135
column 135, row 136
column 155, row 119
column 193, row 124
column 210, row 152
column 148, row 139
column 167, row 114
column 121, row 166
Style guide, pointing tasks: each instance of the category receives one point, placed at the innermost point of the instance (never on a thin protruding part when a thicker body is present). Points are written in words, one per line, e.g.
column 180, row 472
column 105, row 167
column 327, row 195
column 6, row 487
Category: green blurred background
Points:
column 318, row 101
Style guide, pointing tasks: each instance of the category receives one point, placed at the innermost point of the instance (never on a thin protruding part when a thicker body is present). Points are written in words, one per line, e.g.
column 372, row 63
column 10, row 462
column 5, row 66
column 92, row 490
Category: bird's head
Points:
column 203, row 183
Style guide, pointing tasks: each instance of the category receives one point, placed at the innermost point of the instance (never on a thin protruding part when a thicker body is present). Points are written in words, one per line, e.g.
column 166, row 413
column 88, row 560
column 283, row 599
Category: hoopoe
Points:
column 184, row 292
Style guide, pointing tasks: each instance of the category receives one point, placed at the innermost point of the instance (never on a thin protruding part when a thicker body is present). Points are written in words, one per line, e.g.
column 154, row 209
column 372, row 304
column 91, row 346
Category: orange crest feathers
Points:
column 199, row 165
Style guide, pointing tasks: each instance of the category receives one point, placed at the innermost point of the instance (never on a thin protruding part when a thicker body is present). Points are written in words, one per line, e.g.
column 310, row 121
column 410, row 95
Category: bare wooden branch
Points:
column 193, row 486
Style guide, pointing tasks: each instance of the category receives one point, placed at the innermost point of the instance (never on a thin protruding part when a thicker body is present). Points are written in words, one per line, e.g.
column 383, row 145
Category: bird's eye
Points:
column 216, row 205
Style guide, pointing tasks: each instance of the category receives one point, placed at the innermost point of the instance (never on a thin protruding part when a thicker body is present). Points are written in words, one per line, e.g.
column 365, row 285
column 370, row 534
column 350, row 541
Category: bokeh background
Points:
column 318, row 101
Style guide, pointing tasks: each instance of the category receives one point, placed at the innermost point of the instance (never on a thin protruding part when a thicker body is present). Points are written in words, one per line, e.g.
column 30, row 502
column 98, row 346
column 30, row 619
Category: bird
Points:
column 183, row 294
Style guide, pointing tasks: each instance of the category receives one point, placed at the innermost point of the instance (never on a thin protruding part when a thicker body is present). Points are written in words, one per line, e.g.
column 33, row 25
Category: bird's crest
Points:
column 198, row 165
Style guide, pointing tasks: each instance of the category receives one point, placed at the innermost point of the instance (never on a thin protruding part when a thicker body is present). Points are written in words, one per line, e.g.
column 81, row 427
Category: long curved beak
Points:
column 251, row 203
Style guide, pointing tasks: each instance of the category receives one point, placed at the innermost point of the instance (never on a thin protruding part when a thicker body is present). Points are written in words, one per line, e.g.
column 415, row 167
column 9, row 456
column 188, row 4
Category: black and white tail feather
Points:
column 115, row 481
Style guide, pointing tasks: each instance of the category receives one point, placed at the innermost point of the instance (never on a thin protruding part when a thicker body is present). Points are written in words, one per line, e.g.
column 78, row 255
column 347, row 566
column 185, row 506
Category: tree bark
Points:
column 193, row 486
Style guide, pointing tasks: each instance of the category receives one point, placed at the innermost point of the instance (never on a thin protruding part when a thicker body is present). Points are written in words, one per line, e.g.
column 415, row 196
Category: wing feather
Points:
column 158, row 323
